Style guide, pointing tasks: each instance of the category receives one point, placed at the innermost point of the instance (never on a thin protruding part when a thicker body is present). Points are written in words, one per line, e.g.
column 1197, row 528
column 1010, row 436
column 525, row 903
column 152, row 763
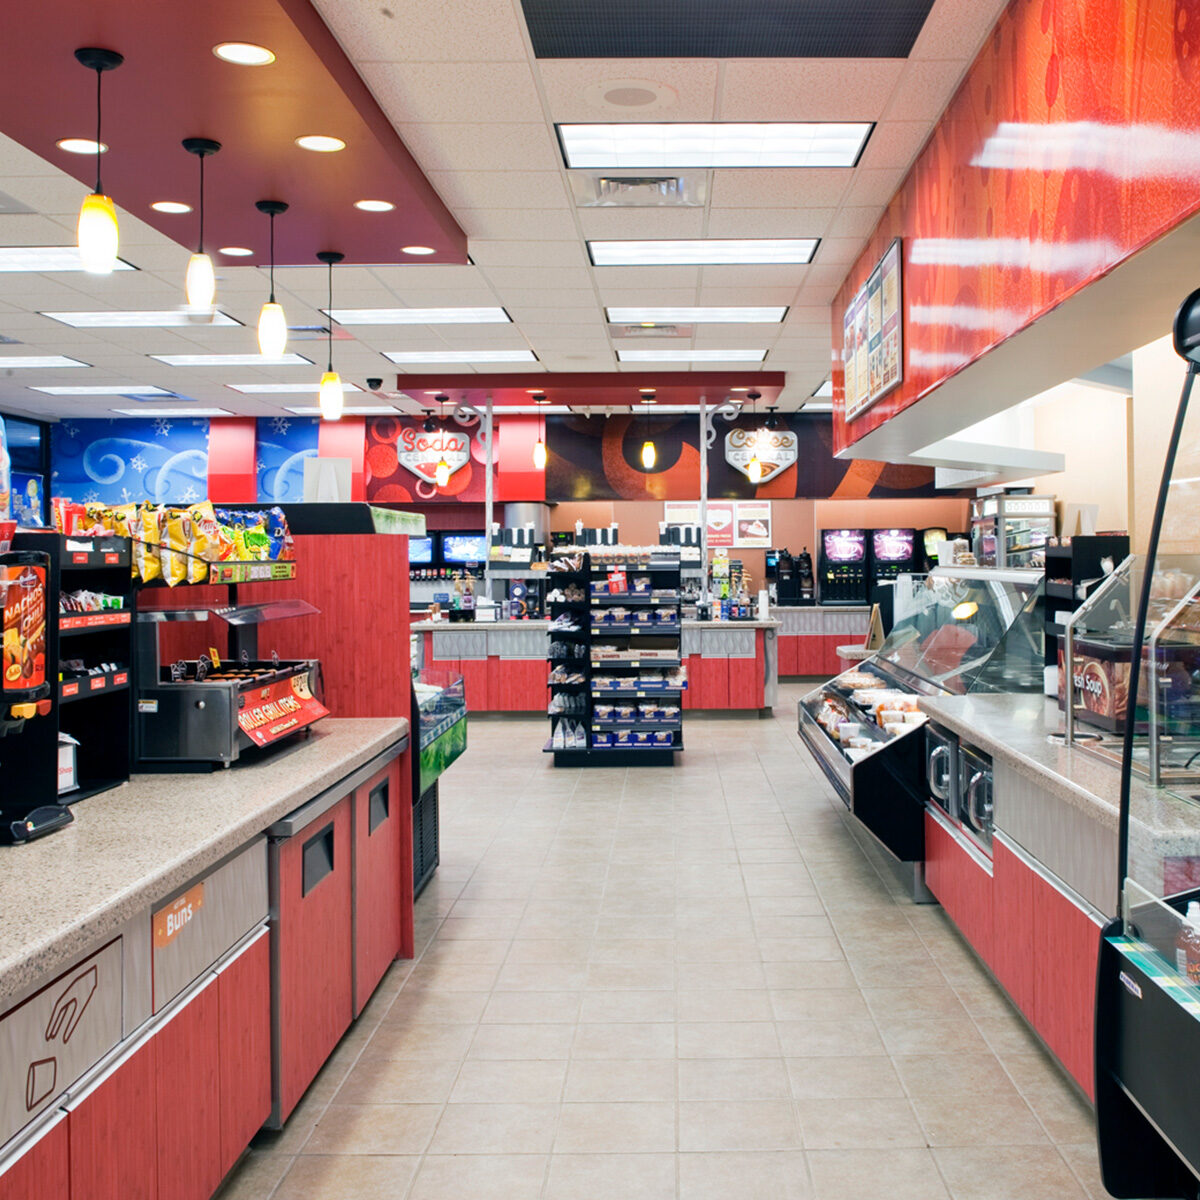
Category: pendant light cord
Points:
column 200, row 248
column 99, row 78
column 329, row 327
column 272, row 300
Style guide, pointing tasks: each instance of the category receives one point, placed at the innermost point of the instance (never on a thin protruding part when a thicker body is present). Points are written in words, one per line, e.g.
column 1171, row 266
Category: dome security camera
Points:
column 374, row 383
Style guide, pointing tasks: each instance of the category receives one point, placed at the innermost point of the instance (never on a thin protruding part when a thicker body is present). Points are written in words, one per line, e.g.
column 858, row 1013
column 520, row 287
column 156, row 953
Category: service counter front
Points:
column 731, row 665
column 809, row 637
column 1034, row 908
column 178, row 963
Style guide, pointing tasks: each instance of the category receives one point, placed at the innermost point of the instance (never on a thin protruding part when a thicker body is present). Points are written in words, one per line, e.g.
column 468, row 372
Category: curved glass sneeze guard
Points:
column 970, row 631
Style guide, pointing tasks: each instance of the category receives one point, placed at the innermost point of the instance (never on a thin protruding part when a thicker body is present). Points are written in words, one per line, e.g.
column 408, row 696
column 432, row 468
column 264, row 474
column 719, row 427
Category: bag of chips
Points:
column 175, row 544
column 68, row 514
column 283, row 549
column 146, row 531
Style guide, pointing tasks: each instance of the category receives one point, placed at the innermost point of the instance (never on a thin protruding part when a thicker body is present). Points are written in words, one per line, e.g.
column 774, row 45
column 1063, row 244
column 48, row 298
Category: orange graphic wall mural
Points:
column 1073, row 142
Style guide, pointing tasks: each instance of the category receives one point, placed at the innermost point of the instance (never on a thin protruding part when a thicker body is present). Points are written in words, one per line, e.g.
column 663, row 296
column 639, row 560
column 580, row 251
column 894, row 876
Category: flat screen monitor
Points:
column 844, row 545
column 893, row 545
column 772, row 563
column 932, row 537
column 420, row 550
column 464, row 547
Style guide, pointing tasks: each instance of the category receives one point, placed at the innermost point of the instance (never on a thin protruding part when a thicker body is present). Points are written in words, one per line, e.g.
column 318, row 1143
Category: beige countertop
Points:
column 484, row 626
column 130, row 847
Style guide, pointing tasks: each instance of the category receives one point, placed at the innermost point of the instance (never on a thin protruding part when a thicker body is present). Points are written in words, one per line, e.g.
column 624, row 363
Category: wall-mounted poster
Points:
column 283, row 445
column 753, row 520
column 872, row 336
column 732, row 524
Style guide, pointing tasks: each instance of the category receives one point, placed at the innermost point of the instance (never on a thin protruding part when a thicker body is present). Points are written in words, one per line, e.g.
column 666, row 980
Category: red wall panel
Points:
column 232, row 459
column 1048, row 168
column 346, row 439
column 41, row 1173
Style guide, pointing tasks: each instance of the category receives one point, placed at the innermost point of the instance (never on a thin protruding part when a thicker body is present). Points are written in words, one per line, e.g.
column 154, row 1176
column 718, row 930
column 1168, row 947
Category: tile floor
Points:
column 688, row 984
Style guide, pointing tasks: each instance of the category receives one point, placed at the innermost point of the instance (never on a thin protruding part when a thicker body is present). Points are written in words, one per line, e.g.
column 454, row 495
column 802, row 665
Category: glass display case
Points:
column 957, row 630
column 441, row 708
column 1012, row 531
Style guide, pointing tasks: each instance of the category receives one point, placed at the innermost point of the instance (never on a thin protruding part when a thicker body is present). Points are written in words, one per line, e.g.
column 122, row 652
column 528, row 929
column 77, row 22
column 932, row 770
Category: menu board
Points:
column 732, row 524
column 872, row 336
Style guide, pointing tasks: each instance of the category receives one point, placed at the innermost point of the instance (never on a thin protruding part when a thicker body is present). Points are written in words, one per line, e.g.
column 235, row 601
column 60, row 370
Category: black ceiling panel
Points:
column 724, row 28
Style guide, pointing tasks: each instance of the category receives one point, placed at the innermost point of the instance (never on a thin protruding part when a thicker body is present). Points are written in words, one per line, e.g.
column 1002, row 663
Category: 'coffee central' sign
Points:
column 777, row 449
column 420, row 452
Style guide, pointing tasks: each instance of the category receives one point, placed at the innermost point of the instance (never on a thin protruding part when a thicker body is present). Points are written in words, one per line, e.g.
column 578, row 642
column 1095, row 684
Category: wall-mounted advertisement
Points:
column 732, row 524
column 872, row 336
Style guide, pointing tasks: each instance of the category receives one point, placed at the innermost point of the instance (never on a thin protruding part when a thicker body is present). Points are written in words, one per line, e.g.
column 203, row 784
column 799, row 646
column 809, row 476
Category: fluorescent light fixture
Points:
column 21, row 361
column 103, row 389
column 46, row 258
column 418, row 316
column 231, row 360
column 320, row 143
column 348, row 410
column 703, row 252
column 460, row 356
column 282, row 389
column 824, row 391
column 697, row 316
column 173, row 412
column 81, row 145
column 714, row 144
column 138, row 320
column 694, row 356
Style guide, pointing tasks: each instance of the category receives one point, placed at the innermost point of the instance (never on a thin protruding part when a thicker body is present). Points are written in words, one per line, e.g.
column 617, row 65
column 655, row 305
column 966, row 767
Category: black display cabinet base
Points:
column 618, row 756
column 426, row 838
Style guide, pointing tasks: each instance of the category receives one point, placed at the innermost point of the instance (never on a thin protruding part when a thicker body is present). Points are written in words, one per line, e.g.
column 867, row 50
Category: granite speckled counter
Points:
column 130, row 847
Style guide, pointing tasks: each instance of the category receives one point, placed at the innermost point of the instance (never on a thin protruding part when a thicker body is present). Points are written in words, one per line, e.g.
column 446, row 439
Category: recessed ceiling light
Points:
column 46, row 258
column 459, row 356
column 713, row 144
column 739, row 389
column 80, row 145
column 320, row 143
column 139, row 320
column 824, row 391
column 171, row 206
column 22, row 361
column 703, row 252
column 106, row 389
column 231, row 360
column 173, row 412
column 348, row 410
column 696, row 316
column 419, row 316
column 282, row 389
column 651, row 356
column 235, row 251
column 417, row 250
column 244, row 54
column 374, row 205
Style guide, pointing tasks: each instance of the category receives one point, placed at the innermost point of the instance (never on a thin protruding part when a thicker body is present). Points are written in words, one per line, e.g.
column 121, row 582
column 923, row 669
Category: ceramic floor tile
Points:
column 624, row 1040
column 398, row 1081
column 373, row 1129
column 733, row 1079
column 866, row 1174
column 531, row 1081
column 737, row 1125
column 863, row 1125
column 348, row 1177
column 722, row 1175
column 984, row 1120
column 479, row 1176
column 495, row 1129
column 996, row 1173
column 611, row 1177
column 615, row 1128
column 844, row 1078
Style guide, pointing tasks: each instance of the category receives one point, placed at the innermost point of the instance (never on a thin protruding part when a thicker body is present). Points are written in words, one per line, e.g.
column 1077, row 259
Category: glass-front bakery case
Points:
column 440, row 707
column 1012, row 531
column 957, row 630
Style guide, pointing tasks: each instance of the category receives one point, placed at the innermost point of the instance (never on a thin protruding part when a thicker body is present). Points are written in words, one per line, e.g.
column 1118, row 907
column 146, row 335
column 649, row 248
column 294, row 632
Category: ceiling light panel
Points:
column 10, row 362
column 139, row 320
column 824, row 391
column 93, row 389
column 282, row 389
column 460, row 356
column 231, row 360
column 693, row 356
column 419, row 316
column 697, row 316
column 46, row 258
column 701, row 252
column 639, row 146
column 173, row 412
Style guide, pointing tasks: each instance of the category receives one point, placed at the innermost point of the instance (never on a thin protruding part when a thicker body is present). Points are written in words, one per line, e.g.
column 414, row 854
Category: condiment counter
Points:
column 731, row 665
column 191, row 945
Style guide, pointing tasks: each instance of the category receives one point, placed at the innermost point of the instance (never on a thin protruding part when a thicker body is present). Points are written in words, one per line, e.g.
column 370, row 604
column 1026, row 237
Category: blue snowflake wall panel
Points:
column 283, row 445
column 131, row 459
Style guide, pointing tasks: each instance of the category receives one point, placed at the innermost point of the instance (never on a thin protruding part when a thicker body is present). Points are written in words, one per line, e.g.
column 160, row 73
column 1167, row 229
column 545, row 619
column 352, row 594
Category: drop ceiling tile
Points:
column 454, row 91
column 956, row 28
column 779, row 275
column 839, row 250
column 570, row 278
column 747, row 295
column 480, row 147
column 895, row 143
column 769, row 222
column 818, row 187
column 874, row 186
column 727, row 337
column 925, row 89
column 499, row 188
column 855, row 222
column 622, row 223
column 642, row 278
column 547, row 333
column 520, row 299
column 809, row 89
column 539, row 319
column 554, row 361
column 820, row 292
column 415, row 30
column 516, row 224
column 801, row 316
column 575, row 89
column 445, row 276
column 490, row 255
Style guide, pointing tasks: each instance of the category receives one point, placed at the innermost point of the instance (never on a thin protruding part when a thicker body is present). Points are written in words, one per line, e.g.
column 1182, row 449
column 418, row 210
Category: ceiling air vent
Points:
column 685, row 189
column 651, row 331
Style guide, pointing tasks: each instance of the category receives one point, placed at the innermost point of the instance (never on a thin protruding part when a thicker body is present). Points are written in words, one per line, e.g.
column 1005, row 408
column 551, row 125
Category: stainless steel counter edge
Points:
column 129, row 848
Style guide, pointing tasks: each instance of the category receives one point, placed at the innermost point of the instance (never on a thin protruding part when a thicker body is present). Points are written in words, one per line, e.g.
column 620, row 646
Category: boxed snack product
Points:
column 662, row 737
column 602, row 737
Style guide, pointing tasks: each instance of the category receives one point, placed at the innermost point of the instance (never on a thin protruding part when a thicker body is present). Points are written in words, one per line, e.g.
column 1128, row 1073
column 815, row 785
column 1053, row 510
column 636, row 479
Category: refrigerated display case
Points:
column 439, row 701
column 957, row 631
column 1012, row 531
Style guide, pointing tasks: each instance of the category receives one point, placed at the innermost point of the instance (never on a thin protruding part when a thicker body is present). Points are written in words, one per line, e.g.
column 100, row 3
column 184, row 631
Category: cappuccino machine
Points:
column 843, row 569
column 894, row 552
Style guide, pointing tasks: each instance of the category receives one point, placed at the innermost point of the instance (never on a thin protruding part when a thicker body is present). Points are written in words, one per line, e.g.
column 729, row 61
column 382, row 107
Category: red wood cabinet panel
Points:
column 188, row 1099
column 938, row 871
column 378, row 814
column 745, row 682
column 313, row 928
column 41, row 1172
column 1012, row 920
column 533, row 694
column 244, row 1042
column 112, row 1134
column 716, row 683
column 789, row 655
column 1066, row 942
column 691, row 693
column 475, row 682
column 830, row 663
column 500, row 696
column 961, row 884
